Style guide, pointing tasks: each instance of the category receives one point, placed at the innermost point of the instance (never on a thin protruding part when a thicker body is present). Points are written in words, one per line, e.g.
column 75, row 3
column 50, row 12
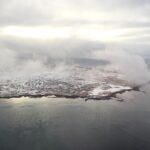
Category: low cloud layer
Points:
column 34, row 34
column 21, row 64
column 133, row 66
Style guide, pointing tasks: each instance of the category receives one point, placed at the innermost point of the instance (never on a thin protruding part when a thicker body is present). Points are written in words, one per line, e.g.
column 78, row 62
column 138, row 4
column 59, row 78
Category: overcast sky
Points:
column 73, row 28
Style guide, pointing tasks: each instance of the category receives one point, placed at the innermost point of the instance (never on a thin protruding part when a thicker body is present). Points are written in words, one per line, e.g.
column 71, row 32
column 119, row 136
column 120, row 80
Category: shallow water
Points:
column 73, row 124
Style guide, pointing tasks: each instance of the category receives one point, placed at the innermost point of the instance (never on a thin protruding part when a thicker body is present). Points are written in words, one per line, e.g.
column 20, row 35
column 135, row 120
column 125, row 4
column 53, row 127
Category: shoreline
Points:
column 91, row 97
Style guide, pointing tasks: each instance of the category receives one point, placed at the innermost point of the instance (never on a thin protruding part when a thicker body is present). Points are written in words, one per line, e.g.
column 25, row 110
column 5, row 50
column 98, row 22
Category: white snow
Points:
column 111, row 89
column 80, row 79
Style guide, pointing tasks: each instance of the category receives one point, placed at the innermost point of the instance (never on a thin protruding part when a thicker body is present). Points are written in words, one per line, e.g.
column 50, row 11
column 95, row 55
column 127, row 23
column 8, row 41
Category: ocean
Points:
column 75, row 124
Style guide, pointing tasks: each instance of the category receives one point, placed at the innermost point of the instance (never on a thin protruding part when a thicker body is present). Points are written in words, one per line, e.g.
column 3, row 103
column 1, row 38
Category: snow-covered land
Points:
column 77, row 82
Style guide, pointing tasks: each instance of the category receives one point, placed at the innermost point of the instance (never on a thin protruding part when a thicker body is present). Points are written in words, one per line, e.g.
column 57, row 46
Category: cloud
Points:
column 37, row 12
column 11, row 66
column 93, row 16
column 60, row 48
column 7, row 60
column 92, row 25
column 133, row 66
column 26, row 57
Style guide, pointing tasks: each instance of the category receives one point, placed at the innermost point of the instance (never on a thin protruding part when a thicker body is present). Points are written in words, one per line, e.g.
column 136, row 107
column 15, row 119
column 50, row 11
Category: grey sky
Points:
column 73, row 27
column 37, row 12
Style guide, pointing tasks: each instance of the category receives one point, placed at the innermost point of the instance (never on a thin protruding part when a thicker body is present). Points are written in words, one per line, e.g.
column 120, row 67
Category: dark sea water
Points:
column 73, row 124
